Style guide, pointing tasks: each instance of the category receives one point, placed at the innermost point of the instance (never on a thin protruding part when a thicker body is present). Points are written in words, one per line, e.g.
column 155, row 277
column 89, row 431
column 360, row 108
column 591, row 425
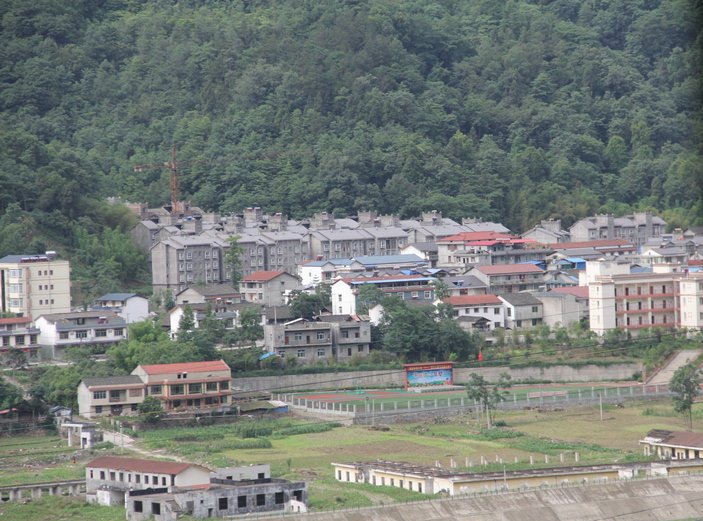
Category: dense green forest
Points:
column 510, row 110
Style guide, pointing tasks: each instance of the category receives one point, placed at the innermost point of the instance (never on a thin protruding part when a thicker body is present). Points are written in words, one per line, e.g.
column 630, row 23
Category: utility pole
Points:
column 600, row 402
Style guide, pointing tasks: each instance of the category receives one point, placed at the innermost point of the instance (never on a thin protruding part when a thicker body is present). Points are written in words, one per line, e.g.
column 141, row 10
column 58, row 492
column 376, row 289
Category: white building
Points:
column 416, row 288
column 666, row 298
column 32, row 285
column 130, row 306
column 59, row 331
column 488, row 307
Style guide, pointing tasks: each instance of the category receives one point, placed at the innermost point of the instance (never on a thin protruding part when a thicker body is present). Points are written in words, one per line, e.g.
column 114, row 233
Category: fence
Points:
column 375, row 410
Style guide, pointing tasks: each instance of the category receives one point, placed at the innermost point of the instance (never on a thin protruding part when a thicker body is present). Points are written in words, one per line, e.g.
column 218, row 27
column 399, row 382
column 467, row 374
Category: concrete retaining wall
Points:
column 394, row 378
column 661, row 499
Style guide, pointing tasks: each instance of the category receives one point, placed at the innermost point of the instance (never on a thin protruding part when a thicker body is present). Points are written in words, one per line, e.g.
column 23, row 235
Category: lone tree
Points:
column 150, row 409
column 686, row 385
column 488, row 395
column 233, row 260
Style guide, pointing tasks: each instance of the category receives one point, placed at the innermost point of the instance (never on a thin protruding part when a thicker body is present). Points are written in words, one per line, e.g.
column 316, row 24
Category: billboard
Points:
column 433, row 373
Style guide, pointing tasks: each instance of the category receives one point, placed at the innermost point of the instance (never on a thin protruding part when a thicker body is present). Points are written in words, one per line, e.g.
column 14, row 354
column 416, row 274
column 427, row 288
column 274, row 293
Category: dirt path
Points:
column 129, row 443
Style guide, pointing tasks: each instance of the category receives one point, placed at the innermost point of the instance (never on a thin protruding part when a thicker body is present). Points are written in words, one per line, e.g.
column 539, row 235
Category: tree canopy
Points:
column 513, row 111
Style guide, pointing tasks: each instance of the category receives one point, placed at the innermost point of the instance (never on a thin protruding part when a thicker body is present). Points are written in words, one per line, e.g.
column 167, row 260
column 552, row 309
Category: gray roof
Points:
column 368, row 260
column 424, row 246
column 55, row 317
column 121, row 297
column 464, row 281
column 520, row 299
column 213, row 290
column 112, row 380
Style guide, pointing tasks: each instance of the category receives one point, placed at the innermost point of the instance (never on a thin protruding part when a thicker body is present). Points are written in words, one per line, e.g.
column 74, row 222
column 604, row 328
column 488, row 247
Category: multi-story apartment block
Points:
column 340, row 244
column 510, row 278
column 471, row 249
column 193, row 385
column 632, row 302
column 286, row 250
column 31, row 285
column 180, row 261
column 328, row 338
column 547, row 232
column 18, row 333
column 59, row 331
column 637, row 228
column 416, row 288
column 314, row 272
column 270, row 288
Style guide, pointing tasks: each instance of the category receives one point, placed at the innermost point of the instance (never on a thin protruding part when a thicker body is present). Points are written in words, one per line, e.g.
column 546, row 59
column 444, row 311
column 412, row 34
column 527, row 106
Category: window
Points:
column 476, row 310
column 156, row 509
column 496, row 311
column 339, row 297
column 211, row 386
column 241, row 502
column 345, row 334
column 155, row 389
column 298, row 336
column 339, row 475
column 320, row 352
column 101, row 332
column 260, row 500
column 112, row 476
column 102, row 474
column 278, row 498
column 177, row 389
column 99, row 395
column 19, row 340
column 138, row 506
column 320, row 335
column 98, row 409
column 195, row 388
column 138, row 478
column 428, row 294
column 414, row 294
column 419, row 487
column 82, row 334
column 222, row 503
column 301, row 353
column 535, row 309
column 224, row 385
column 133, row 407
column 135, row 392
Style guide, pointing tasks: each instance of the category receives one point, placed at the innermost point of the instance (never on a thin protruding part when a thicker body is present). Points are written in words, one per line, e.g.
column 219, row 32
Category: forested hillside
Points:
column 509, row 110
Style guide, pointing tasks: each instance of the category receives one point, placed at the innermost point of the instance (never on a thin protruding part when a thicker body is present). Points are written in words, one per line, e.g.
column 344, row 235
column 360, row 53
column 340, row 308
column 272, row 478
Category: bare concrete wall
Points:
column 351, row 380
column 664, row 499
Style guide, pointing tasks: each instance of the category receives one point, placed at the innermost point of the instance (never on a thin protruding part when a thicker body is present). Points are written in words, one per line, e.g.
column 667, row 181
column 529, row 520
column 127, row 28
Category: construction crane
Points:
column 176, row 204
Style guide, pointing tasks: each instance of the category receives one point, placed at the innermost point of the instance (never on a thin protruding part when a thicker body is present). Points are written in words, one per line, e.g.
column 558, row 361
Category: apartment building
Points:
column 31, row 285
column 416, row 288
column 637, row 228
column 59, row 331
column 666, row 298
column 192, row 385
column 314, row 272
column 338, row 337
column 180, row 261
column 510, row 278
column 340, row 243
column 18, row 333
column 470, row 249
column 270, row 288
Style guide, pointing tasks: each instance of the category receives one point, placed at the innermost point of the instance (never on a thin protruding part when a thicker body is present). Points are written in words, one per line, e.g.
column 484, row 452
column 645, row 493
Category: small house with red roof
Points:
column 478, row 311
column 270, row 288
column 510, row 278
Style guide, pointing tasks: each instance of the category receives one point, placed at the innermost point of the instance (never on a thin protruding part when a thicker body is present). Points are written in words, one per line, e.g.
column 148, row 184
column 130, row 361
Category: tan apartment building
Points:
column 633, row 302
column 270, row 288
column 32, row 285
column 510, row 278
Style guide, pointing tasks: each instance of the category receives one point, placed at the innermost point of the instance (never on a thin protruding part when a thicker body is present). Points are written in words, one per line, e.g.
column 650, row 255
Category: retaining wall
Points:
column 395, row 378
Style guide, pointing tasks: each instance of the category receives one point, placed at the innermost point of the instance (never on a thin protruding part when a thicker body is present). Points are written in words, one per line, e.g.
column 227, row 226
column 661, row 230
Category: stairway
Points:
column 663, row 376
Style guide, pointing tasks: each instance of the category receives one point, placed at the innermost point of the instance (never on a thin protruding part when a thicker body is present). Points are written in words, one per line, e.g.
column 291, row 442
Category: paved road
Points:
column 680, row 358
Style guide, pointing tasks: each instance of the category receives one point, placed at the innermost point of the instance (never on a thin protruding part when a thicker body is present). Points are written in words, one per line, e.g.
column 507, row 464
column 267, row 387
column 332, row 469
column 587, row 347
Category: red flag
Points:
column 480, row 356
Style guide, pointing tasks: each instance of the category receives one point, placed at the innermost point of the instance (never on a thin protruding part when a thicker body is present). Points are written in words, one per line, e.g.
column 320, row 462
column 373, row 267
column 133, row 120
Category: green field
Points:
column 300, row 449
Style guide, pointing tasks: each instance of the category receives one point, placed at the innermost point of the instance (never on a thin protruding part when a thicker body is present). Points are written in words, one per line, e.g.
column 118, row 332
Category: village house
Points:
column 522, row 310
column 191, row 385
column 59, row 331
column 637, row 228
column 270, row 288
column 219, row 296
column 547, row 232
column 510, row 278
column 19, row 333
column 416, row 288
column 469, row 249
column 130, row 306
column 673, row 444
column 478, row 312
column 328, row 338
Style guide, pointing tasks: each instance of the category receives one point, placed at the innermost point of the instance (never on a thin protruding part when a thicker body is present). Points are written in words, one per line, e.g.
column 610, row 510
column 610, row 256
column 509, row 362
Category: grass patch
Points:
column 58, row 508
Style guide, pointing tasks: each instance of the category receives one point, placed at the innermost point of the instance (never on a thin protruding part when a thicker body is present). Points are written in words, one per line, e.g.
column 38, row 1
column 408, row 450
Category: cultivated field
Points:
column 299, row 449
